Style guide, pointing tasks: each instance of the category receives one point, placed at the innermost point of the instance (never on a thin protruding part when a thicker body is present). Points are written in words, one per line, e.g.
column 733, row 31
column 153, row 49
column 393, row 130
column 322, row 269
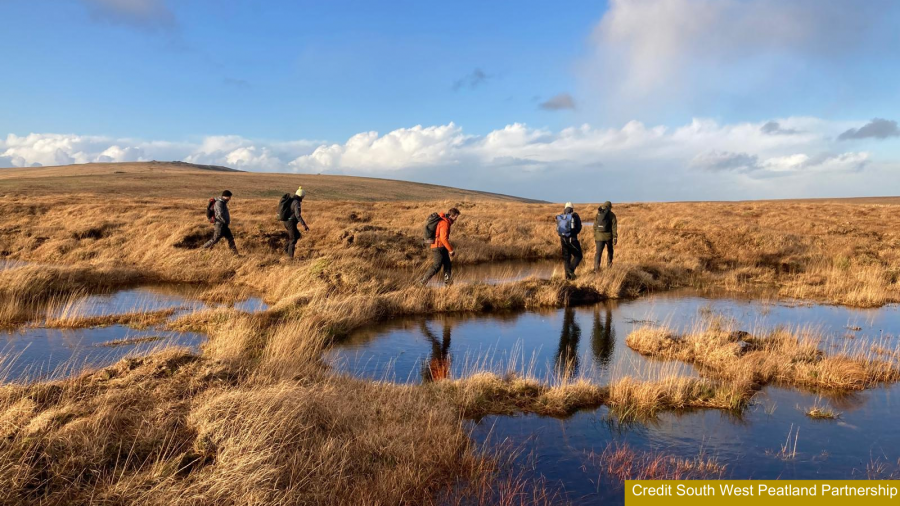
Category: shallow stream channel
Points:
column 36, row 352
column 773, row 438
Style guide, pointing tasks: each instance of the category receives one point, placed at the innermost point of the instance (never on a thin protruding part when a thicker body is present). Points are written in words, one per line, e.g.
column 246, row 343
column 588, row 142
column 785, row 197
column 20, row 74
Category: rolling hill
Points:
column 185, row 180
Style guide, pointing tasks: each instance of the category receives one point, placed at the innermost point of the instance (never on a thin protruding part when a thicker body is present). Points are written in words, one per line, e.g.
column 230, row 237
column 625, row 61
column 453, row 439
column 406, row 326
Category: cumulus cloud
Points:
column 144, row 14
column 653, row 54
column 558, row 103
column 876, row 129
column 472, row 80
column 700, row 159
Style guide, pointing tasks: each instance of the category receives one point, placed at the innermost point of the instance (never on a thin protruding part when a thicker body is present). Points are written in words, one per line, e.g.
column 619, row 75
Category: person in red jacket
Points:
column 441, row 249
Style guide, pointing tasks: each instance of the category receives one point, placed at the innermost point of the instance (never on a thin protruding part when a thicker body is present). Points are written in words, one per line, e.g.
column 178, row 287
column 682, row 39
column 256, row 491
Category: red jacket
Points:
column 442, row 233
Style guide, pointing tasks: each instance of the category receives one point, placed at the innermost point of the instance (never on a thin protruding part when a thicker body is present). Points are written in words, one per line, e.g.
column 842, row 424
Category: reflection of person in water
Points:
column 438, row 366
column 567, row 356
column 603, row 337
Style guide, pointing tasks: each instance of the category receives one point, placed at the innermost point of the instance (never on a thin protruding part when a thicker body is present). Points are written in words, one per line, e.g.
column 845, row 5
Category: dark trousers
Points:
column 221, row 231
column 440, row 259
column 571, row 254
column 598, row 254
column 293, row 237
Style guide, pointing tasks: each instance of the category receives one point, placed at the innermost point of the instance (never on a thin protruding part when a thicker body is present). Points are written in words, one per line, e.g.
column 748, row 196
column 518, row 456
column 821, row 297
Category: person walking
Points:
column 606, row 234
column 441, row 250
column 221, row 222
column 295, row 217
column 568, row 226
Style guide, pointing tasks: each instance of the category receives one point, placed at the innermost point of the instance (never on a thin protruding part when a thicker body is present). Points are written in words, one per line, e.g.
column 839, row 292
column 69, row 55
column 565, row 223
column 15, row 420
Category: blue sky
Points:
column 655, row 99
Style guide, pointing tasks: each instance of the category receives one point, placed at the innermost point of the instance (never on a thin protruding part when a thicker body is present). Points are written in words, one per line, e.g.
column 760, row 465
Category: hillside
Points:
column 184, row 180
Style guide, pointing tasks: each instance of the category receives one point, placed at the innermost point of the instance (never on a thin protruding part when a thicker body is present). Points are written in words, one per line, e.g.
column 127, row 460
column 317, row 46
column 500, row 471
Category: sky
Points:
column 623, row 100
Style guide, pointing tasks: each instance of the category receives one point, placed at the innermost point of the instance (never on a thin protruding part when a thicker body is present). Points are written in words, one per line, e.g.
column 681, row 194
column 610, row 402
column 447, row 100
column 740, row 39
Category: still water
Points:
column 592, row 340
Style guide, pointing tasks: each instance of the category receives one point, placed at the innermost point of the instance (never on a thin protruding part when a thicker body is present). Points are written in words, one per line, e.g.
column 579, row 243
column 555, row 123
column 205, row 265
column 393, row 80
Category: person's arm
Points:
column 577, row 219
column 443, row 236
column 615, row 230
column 298, row 214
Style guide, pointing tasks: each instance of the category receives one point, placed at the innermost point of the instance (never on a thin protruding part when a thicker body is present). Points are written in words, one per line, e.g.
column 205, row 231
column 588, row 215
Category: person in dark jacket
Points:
column 568, row 226
column 606, row 234
column 441, row 250
column 222, row 222
column 295, row 219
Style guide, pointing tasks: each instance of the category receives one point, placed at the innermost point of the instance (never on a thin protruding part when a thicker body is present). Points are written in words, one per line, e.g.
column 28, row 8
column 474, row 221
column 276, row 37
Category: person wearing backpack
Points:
column 606, row 234
column 218, row 214
column 568, row 226
column 289, row 212
column 437, row 230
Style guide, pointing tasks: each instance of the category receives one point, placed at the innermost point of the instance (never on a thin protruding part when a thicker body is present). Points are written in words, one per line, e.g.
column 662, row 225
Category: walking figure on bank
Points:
column 290, row 214
column 568, row 226
column 606, row 234
column 437, row 231
column 217, row 213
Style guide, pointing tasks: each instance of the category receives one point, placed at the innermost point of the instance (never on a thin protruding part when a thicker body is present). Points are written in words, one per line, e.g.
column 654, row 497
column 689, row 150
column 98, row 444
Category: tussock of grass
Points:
column 632, row 399
column 782, row 356
column 822, row 413
column 485, row 394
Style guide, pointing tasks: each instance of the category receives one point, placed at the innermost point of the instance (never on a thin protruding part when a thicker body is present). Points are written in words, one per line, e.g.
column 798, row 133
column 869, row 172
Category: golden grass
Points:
column 782, row 356
column 625, row 463
column 258, row 419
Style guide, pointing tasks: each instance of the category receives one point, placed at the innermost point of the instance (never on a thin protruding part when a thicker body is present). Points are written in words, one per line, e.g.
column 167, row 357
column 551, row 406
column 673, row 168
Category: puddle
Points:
column 42, row 353
column 8, row 264
column 592, row 339
column 748, row 447
column 181, row 298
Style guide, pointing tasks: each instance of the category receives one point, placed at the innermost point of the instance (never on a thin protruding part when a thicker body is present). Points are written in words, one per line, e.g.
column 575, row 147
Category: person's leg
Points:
column 217, row 236
column 447, row 265
column 567, row 257
column 598, row 254
column 226, row 233
column 293, row 237
column 609, row 253
column 437, row 261
column 577, row 254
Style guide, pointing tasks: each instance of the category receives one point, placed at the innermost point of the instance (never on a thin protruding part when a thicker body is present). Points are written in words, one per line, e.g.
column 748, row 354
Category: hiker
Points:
column 567, row 355
column 606, row 234
column 217, row 212
column 438, row 366
column 568, row 226
column 437, row 229
column 289, row 211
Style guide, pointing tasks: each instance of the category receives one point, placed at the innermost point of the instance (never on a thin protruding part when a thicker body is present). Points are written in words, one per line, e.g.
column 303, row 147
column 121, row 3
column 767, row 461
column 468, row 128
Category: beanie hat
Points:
column 569, row 204
column 607, row 205
column 300, row 192
column 226, row 193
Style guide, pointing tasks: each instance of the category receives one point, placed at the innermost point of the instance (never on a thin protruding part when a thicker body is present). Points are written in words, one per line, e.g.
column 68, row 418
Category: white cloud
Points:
column 654, row 55
column 701, row 159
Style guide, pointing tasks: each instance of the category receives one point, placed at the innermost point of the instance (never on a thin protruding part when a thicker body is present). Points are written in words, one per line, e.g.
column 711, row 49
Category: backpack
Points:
column 431, row 227
column 284, row 207
column 565, row 223
column 211, row 210
column 604, row 224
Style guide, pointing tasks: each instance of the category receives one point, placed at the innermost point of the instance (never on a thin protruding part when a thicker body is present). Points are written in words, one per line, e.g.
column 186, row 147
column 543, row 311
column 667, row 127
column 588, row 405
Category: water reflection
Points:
column 438, row 366
column 603, row 336
column 567, row 356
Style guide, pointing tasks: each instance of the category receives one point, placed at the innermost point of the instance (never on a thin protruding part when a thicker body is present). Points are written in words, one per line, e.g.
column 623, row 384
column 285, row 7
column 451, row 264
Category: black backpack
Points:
column 431, row 227
column 284, row 207
column 211, row 210
column 603, row 223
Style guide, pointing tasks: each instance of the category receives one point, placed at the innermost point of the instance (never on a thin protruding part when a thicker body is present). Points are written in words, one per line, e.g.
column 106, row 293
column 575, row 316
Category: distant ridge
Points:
column 158, row 179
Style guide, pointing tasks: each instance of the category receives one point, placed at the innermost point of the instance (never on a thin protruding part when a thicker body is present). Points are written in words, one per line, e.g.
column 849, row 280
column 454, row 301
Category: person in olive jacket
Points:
column 606, row 234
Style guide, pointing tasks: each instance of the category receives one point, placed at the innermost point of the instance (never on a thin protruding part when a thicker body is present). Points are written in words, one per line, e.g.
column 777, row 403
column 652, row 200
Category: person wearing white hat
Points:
column 568, row 226
column 295, row 218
